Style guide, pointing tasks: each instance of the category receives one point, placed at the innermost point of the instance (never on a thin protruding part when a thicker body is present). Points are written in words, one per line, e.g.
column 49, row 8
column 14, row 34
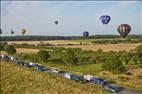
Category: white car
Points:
column 2, row 56
column 67, row 75
column 55, row 70
column 12, row 58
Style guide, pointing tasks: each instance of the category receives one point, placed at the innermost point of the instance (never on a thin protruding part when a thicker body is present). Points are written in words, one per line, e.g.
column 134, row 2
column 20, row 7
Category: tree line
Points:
column 111, row 61
column 45, row 38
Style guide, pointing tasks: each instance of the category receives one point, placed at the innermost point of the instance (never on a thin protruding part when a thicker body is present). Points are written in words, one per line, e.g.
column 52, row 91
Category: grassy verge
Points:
column 86, row 68
column 17, row 80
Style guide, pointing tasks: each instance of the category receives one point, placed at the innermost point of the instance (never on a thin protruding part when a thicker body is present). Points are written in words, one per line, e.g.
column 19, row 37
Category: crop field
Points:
column 17, row 80
column 95, row 47
column 106, row 47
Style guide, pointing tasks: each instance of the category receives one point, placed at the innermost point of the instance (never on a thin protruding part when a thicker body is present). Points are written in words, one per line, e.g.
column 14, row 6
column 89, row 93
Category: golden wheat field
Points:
column 19, row 80
column 106, row 47
column 95, row 47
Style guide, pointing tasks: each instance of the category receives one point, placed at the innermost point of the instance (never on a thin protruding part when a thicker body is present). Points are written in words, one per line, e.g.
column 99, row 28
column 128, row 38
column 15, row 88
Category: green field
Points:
column 86, row 68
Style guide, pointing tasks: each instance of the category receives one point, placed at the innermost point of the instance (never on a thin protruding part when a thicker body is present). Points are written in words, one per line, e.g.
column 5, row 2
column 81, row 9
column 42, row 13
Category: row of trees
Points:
column 44, row 38
column 7, row 48
column 111, row 61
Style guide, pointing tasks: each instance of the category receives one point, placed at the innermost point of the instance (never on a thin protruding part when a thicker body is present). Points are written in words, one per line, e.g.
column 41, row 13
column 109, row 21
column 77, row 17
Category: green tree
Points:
column 69, row 57
column 43, row 55
column 113, row 64
column 9, row 49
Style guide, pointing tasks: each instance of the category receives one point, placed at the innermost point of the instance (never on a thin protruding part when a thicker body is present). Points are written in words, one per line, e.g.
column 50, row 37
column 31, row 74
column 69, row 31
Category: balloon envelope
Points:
column 0, row 31
column 23, row 31
column 12, row 32
column 56, row 22
column 85, row 34
column 124, row 29
column 105, row 19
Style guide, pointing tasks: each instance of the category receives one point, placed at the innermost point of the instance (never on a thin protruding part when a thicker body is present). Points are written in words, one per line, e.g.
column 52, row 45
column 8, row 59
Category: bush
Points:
column 123, row 78
column 2, row 44
column 9, row 49
column 113, row 64
column 43, row 55
column 69, row 57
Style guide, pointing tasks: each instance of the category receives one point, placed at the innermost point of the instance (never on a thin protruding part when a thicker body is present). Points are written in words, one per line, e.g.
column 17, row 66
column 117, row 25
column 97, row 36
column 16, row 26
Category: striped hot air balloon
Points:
column 124, row 30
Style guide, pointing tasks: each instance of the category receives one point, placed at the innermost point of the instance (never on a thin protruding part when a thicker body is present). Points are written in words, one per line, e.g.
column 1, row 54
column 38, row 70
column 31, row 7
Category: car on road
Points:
column 67, row 75
column 77, row 78
column 21, row 63
column 113, row 88
column 39, row 68
column 97, row 81
column 55, row 70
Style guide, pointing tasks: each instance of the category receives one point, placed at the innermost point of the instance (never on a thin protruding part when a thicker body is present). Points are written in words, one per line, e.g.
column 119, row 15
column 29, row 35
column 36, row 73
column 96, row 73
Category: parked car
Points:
column 31, row 64
column 88, row 77
column 113, row 88
column 77, row 78
column 40, row 68
column 67, row 75
column 21, row 63
column 27, row 65
column 12, row 58
column 55, row 70
column 98, row 81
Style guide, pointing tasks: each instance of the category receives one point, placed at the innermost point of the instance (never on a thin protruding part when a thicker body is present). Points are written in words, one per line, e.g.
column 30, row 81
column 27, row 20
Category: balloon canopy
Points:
column 105, row 19
column 12, row 32
column 124, row 29
column 56, row 22
column 0, row 31
column 85, row 34
column 23, row 31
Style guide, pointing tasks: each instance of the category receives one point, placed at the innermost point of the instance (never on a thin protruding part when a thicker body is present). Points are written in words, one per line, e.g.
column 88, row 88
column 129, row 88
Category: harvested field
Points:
column 106, row 47
column 26, row 50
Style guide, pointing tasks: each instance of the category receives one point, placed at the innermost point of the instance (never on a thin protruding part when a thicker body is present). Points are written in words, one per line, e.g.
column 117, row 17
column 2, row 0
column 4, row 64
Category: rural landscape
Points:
column 36, row 59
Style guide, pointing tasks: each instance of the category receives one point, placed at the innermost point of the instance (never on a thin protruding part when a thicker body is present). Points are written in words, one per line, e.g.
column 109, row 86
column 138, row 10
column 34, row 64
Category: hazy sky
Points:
column 74, row 17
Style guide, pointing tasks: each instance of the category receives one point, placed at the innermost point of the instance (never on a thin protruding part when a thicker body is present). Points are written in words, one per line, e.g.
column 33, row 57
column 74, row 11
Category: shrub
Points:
column 113, row 64
column 69, row 57
column 9, row 49
column 43, row 55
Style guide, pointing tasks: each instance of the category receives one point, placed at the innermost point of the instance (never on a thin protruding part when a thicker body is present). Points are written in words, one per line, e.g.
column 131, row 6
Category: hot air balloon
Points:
column 56, row 22
column 85, row 34
column 124, row 29
column 12, row 32
column 105, row 19
column 0, row 31
column 23, row 31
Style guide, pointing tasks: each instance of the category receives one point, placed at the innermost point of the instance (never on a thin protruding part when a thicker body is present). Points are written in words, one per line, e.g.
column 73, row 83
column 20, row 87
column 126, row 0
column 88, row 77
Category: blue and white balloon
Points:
column 105, row 19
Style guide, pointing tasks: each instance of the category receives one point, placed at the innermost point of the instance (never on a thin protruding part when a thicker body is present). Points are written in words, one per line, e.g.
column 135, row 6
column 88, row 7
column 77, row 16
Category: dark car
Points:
column 113, row 88
column 27, row 65
column 98, row 81
column 40, row 68
column 21, row 63
column 77, row 78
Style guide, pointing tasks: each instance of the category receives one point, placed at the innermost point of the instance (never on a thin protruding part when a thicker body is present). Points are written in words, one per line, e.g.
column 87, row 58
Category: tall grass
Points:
column 19, row 80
